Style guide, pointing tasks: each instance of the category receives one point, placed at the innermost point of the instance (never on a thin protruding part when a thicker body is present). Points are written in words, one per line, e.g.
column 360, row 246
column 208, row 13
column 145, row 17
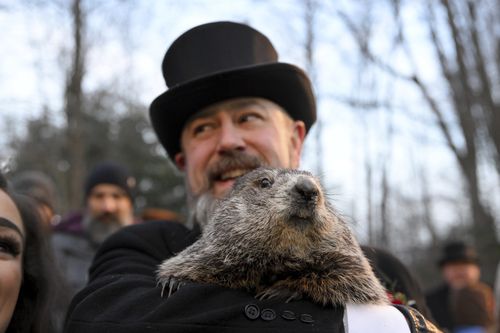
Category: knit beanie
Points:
column 110, row 173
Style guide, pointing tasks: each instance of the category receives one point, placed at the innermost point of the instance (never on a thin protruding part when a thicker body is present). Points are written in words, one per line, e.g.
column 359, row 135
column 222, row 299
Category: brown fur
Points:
column 282, row 240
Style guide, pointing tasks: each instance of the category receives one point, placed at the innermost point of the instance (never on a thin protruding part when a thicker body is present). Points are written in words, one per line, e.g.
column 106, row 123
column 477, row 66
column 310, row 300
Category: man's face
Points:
column 229, row 139
column 460, row 274
column 108, row 209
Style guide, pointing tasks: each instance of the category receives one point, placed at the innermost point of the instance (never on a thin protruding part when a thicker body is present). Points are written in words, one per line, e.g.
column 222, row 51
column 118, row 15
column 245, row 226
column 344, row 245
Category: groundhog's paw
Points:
column 170, row 284
column 277, row 292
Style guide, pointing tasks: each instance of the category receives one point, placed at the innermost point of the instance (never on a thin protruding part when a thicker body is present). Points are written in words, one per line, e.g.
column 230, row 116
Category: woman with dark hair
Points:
column 28, row 294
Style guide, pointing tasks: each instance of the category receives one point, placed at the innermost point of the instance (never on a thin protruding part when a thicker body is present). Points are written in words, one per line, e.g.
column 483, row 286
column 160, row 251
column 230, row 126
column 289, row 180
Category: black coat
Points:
column 438, row 301
column 123, row 296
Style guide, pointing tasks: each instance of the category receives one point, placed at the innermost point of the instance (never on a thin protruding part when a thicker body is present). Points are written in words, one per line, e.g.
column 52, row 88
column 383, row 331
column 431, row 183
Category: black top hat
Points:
column 458, row 252
column 222, row 60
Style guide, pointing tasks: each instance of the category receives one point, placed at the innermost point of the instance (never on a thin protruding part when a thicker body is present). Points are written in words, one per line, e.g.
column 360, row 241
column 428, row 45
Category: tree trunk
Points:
column 463, row 95
column 483, row 227
column 427, row 217
column 489, row 108
column 310, row 9
column 74, row 109
column 385, row 239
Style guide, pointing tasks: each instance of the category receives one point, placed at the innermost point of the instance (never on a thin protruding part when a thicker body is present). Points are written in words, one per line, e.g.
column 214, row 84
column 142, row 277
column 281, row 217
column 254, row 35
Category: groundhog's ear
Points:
column 180, row 161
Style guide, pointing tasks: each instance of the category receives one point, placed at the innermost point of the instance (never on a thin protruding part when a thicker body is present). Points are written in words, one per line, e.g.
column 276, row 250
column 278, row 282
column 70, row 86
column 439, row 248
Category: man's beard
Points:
column 100, row 227
column 200, row 209
column 201, row 205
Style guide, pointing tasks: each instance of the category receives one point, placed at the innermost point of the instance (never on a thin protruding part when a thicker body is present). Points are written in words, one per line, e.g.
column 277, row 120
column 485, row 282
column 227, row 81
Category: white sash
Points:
column 374, row 319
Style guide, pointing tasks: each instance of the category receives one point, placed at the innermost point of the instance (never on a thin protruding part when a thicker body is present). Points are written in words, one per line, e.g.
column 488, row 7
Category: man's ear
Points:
column 180, row 161
column 297, row 140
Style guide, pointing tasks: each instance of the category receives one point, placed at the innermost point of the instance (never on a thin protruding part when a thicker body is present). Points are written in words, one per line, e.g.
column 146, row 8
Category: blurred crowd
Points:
column 61, row 248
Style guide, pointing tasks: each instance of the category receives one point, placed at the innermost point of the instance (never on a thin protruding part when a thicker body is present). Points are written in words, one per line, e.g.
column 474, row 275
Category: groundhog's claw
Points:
column 270, row 293
column 173, row 284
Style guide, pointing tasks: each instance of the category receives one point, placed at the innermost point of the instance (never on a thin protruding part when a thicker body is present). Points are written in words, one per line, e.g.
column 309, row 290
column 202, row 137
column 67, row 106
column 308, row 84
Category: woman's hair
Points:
column 39, row 296
column 3, row 182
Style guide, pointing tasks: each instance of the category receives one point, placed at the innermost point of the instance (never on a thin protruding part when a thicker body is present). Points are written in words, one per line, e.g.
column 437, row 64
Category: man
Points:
column 230, row 108
column 109, row 193
column 460, row 270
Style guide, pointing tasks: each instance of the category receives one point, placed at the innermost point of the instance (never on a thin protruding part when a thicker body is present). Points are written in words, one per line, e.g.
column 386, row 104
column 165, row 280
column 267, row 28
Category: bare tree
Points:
column 426, row 204
column 385, row 197
column 471, row 76
column 73, row 108
column 310, row 9
column 459, row 69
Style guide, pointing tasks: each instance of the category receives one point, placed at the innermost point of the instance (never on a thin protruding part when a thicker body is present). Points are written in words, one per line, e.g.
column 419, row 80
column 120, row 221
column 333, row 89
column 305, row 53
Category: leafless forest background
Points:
column 408, row 137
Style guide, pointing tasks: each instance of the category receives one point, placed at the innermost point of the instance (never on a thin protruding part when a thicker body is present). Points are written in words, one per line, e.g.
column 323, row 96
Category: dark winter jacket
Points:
column 470, row 306
column 438, row 301
column 73, row 251
column 123, row 295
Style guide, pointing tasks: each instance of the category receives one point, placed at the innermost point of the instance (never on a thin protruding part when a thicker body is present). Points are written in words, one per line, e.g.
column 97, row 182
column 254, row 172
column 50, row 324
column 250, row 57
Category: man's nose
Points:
column 108, row 205
column 230, row 138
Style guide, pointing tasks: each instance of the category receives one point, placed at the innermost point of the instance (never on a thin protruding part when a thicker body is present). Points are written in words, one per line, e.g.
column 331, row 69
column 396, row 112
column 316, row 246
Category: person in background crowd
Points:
column 30, row 295
column 231, row 107
column 497, row 297
column 109, row 196
column 156, row 214
column 42, row 189
column 472, row 309
column 459, row 266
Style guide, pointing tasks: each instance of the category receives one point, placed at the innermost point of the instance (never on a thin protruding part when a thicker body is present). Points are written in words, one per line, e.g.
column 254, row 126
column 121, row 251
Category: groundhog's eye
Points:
column 265, row 183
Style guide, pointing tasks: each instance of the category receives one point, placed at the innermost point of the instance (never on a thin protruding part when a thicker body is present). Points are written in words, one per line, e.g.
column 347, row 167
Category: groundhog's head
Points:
column 280, row 210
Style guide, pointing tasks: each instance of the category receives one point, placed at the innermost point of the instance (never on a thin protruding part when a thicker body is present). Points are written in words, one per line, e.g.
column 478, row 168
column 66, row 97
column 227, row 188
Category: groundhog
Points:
column 276, row 235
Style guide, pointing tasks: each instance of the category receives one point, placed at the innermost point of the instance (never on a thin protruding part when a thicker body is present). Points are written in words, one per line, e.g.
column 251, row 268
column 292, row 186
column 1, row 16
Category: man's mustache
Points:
column 232, row 160
column 107, row 217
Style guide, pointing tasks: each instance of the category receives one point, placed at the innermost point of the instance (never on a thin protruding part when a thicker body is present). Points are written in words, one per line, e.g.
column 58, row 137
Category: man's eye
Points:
column 265, row 183
column 248, row 117
column 201, row 128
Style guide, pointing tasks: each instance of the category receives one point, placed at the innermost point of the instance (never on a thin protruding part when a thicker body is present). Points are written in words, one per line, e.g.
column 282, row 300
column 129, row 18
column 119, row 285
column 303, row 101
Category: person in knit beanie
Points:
column 109, row 190
column 109, row 197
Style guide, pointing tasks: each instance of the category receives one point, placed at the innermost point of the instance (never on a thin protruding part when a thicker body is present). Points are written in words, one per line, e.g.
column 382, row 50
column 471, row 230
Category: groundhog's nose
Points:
column 307, row 189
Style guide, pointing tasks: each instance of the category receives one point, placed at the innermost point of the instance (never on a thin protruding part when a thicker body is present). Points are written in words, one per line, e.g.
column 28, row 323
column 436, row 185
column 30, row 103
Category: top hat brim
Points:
column 284, row 84
column 457, row 260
